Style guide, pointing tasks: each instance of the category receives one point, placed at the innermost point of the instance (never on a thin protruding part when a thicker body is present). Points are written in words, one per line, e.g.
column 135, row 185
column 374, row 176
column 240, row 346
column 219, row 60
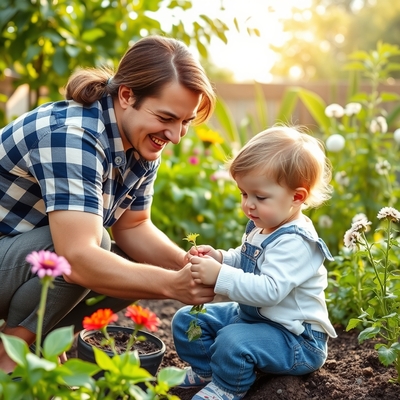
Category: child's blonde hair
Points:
column 292, row 157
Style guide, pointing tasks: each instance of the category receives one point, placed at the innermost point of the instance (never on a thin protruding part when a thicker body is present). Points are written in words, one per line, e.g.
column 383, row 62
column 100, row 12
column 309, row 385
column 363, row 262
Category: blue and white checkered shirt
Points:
column 64, row 156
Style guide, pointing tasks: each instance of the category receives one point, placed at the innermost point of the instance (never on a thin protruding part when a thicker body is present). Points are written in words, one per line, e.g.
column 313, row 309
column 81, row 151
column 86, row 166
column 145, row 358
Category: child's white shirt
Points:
column 290, row 288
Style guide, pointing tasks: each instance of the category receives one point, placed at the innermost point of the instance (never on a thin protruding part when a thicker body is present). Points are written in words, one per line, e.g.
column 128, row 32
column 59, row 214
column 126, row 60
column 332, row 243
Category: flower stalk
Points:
column 381, row 317
column 194, row 330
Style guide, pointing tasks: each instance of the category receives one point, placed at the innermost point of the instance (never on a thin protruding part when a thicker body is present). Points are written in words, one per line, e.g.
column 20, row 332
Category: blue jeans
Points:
column 233, row 344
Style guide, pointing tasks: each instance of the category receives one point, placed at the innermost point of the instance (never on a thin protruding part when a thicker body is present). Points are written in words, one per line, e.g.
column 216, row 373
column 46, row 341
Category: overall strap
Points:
column 296, row 230
column 250, row 226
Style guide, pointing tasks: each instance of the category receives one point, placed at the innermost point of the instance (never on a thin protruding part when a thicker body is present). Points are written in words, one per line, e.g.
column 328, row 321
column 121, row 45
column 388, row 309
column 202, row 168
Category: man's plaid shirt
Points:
column 64, row 156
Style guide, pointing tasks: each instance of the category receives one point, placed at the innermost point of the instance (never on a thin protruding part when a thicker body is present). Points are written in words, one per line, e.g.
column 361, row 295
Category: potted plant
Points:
column 115, row 340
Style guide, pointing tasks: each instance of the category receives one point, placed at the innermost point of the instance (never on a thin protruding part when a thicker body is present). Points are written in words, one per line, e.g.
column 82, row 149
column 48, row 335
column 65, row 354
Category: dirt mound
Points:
column 352, row 371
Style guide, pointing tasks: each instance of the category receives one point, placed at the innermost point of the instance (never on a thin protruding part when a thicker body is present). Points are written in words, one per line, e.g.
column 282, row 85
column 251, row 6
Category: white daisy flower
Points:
column 335, row 142
column 325, row 221
column 358, row 217
column 383, row 167
column 396, row 135
column 352, row 109
column 334, row 110
column 389, row 213
column 342, row 179
column 378, row 124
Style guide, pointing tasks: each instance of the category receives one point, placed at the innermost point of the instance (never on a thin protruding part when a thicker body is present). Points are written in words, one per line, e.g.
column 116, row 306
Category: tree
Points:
column 43, row 41
column 320, row 36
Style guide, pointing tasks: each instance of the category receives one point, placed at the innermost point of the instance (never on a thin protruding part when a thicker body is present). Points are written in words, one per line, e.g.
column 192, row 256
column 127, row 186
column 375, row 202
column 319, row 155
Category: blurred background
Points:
column 329, row 65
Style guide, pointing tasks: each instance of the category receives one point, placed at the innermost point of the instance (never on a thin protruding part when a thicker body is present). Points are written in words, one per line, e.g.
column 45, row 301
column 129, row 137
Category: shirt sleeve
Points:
column 68, row 165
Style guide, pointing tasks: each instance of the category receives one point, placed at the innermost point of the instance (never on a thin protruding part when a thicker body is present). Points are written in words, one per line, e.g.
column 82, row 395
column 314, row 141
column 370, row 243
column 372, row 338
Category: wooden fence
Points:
column 241, row 98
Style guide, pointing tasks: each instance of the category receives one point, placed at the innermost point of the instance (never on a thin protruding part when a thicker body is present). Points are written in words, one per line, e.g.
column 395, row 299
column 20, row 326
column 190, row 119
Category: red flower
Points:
column 143, row 317
column 99, row 319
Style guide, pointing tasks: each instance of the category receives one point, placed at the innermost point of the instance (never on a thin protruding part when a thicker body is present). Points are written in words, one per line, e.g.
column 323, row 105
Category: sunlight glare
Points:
column 248, row 57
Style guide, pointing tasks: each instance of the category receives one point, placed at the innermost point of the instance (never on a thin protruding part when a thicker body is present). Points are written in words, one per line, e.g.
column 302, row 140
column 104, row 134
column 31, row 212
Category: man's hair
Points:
column 146, row 68
column 291, row 157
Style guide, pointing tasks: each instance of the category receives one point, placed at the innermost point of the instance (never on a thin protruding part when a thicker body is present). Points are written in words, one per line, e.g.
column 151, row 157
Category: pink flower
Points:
column 194, row 160
column 47, row 263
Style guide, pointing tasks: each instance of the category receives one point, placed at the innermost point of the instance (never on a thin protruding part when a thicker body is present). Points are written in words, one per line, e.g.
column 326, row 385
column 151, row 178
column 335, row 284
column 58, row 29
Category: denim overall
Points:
column 236, row 339
column 251, row 253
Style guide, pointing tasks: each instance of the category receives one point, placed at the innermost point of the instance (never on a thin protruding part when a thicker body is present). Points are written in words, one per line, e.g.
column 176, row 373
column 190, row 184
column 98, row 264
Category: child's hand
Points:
column 205, row 269
column 205, row 250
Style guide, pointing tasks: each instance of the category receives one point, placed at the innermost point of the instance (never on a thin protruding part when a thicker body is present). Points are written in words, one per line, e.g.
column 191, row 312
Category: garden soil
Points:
column 351, row 372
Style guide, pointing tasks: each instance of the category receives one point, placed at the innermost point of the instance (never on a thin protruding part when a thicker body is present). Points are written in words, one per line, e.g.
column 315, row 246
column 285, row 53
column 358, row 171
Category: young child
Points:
column 277, row 320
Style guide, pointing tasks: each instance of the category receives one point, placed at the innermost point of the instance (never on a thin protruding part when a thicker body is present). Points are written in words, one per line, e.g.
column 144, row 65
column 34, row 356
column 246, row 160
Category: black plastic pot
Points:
column 149, row 361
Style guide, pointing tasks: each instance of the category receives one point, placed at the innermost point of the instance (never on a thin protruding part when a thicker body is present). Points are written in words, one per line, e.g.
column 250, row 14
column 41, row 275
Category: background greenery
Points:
column 42, row 42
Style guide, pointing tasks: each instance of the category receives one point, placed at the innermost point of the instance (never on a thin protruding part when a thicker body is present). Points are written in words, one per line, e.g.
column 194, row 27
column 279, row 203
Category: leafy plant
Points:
column 141, row 317
column 380, row 315
column 192, row 179
column 359, row 144
column 40, row 376
column 43, row 41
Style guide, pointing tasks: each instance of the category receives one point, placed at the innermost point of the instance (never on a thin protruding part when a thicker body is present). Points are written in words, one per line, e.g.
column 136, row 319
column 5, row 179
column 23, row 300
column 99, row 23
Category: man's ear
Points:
column 125, row 97
column 300, row 195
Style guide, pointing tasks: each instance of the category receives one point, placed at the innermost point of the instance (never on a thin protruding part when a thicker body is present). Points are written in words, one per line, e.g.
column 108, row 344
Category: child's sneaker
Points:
column 213, row 392
column 192, row 380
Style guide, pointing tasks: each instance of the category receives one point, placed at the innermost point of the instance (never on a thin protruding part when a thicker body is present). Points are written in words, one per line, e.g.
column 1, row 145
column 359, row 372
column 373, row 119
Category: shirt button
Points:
column 118, row 160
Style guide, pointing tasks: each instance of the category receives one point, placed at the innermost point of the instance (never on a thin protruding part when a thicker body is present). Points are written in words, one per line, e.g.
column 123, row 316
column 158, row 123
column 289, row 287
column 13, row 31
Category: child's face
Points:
column 267, row 203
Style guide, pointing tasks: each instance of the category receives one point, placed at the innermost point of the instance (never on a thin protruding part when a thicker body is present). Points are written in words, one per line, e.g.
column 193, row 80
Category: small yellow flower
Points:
column 191, row 238
column 209, row 136
column 200, row 218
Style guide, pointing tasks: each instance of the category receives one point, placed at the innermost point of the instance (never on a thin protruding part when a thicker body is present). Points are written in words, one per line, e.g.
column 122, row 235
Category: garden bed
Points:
column 352, row 371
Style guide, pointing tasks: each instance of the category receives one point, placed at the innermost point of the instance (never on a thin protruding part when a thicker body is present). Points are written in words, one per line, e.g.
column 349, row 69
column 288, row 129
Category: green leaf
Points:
column 387, row 355
column 104, row 361
column 60, row 61
column 58, row 341
column 368, row 333
column 353, row 323
column 316, row 107
column 16, row 348
column 35, row 362
column 80, row 367
column 387, row 96
column 225, row 119
column 7, row 15
column 194, row 331
column 172, row 376
column 202, row 49
column 287, row 106
column 92, row 35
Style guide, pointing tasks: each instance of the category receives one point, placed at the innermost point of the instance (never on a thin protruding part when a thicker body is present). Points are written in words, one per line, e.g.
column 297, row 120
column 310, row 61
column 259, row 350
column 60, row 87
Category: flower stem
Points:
column 42, row 307
column 132, row 339
column 371, row 259
column 110, row 340
column 386, row 265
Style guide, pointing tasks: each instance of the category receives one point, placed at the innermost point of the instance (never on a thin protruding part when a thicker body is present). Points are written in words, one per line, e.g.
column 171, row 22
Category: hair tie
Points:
column 109, row 80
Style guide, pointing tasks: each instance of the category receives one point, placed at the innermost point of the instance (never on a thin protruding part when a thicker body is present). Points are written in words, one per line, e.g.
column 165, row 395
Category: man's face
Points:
column 158, row 121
